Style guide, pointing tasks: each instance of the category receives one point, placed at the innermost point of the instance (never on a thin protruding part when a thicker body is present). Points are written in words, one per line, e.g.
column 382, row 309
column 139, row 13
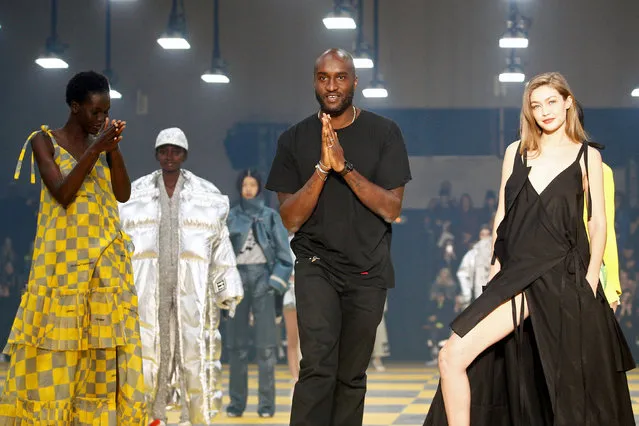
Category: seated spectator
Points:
column 443, row 306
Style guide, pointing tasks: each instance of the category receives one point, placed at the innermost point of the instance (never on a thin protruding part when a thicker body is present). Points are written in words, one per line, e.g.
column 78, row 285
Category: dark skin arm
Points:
column 64, row 188
column 120, row 181
column 295, row 209
column 386, row 203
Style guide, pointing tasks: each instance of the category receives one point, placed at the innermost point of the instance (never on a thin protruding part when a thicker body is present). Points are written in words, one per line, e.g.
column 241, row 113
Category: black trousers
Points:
column 337, row 319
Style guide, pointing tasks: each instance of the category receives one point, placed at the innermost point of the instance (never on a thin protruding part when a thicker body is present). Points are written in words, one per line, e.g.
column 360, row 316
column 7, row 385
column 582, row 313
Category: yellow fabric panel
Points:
column 76, row 354
column 610, row 257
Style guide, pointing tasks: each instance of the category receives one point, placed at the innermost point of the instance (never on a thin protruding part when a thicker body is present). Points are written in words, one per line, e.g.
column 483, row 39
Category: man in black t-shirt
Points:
column 340, row 177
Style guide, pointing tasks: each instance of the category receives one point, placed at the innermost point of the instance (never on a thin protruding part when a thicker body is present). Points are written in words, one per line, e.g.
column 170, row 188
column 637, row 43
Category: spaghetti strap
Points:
column 16, row 175
column 584, row 149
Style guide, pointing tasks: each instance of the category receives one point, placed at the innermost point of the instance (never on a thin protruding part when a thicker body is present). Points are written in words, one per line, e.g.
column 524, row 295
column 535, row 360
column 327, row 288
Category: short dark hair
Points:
column 252, row 173
column 83, row 84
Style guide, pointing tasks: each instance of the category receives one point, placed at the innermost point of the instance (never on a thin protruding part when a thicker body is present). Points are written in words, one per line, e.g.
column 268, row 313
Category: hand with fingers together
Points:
column 119, row 125
column 110, row 136
column 335, row 150
column 323, row 167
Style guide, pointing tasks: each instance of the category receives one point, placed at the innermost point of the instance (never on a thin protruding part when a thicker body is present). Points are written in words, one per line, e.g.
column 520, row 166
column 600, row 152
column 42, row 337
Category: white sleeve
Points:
column 465, row 274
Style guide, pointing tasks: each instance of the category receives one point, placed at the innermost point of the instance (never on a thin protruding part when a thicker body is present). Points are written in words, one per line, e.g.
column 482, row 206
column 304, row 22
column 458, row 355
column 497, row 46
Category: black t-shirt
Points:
column 348, row 237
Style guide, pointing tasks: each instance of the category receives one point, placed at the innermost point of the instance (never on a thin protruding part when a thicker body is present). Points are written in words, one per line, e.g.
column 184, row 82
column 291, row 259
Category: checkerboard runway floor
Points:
column 399, row 396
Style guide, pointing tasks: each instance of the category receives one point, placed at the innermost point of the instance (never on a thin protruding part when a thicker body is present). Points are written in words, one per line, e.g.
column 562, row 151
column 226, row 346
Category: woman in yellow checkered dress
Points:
column 75, row 343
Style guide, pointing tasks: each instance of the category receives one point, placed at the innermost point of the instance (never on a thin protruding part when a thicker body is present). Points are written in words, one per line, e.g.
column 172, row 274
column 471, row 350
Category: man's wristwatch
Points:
column 348, row 167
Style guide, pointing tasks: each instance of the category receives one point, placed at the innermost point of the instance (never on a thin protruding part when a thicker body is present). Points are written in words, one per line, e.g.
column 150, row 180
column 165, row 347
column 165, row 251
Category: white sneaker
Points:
column 378, row 365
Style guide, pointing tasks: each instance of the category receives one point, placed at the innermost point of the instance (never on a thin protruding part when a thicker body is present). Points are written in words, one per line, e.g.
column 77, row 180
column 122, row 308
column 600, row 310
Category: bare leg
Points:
column 292, row 337
column 459, row 352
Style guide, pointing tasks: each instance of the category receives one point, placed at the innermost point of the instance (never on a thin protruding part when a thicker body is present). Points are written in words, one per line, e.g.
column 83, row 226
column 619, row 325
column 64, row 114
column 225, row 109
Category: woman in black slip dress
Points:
column 541, row 345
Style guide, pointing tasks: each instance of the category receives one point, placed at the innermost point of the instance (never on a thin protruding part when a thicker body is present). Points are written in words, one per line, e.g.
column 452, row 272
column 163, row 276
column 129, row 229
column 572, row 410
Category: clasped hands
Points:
column 110, row 136
column 332, row 157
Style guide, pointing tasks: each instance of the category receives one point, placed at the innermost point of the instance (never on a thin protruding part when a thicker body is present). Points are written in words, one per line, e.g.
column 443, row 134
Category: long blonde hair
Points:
column 528, row 127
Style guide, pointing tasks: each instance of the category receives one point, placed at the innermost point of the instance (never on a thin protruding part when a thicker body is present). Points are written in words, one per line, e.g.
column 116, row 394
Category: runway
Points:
column 399, row 396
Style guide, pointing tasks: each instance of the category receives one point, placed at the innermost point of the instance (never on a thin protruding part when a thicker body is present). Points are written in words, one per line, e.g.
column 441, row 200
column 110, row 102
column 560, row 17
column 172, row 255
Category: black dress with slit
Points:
column 564, row 365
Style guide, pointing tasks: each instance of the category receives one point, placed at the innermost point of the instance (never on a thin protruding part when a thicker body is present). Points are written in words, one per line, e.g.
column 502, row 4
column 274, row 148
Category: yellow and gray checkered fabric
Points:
column 75, row 347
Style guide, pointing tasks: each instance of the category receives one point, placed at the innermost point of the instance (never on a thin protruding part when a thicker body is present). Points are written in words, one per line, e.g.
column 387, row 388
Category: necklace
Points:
column 354, row 114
